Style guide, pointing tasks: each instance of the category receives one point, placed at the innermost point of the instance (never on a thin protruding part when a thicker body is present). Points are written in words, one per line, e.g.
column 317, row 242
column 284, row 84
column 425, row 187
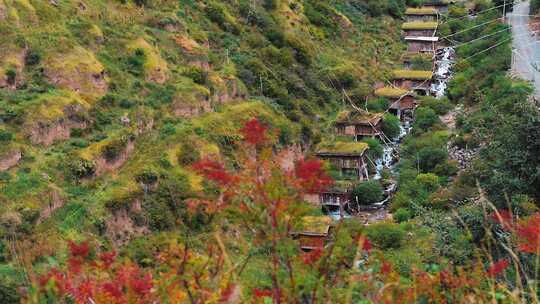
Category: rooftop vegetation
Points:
column 412, row 75
column 420, row 25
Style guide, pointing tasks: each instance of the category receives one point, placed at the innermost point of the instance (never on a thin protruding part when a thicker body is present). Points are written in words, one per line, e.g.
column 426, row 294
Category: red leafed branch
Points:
column 311, row 175
column 215, row 171
column 254, row 132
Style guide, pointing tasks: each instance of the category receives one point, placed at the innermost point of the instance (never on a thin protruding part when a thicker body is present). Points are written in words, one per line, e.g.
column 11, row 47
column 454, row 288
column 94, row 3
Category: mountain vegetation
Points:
column 162, row 152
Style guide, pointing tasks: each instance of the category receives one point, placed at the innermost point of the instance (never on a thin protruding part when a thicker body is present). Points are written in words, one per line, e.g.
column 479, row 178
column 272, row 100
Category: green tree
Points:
column 391, row 125
column 367, row 192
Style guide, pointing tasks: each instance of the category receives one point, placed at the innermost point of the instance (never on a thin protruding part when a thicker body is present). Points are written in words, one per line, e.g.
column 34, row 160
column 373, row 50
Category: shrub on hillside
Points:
column 441, row 106
column 430, row 157
column 391, row 125
column 188, row 154
column 80, row 168
column 402, row 215
column 385, row 235
column 375, row 148
column 5, row 135
column 425, row 118
column 367, row 192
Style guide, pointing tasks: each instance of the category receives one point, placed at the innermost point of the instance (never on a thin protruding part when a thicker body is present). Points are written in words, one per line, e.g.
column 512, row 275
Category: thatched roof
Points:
column 391, row 92
column 315, row 225
column 412, row 74
column 420, row 25
column 342, row 148
column 359, row 118
column 421, row 11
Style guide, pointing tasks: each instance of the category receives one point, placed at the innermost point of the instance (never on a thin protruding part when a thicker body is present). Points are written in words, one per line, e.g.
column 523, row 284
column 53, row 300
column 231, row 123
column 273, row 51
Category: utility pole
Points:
column 504, row 11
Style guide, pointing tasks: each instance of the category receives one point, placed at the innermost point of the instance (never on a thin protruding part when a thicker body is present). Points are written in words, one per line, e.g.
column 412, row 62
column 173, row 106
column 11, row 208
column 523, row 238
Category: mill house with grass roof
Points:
column 440, row 5
column 416, row 81
column 422, row 44
column 313, row 233
column 400, row 100
column 348, row 159
column 422, row 14
column 419, row 28
column 358, row 125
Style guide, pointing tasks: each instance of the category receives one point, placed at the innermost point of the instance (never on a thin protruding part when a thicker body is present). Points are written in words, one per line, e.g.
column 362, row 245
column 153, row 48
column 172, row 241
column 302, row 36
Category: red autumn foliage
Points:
column 254, row 132
column 79, row 250
column 386, row 268
column 75, row 264
column 528, row 233
column 107, row 258
column 502, row 217
column 311, row 175
column 498, row 267
column 312, row 257
column 366, row 245
column 259, row 293
column 214, row 171
column 84, row 292
column 113, row 289
column 141, row 285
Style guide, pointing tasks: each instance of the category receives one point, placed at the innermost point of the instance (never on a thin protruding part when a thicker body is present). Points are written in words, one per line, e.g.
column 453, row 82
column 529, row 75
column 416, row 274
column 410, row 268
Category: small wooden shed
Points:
column 348, row 158
column 359, row 124
column 440, row 5
column 421, row 14
column 400, row 99
column 419, row 28
column 314, row 232
column 422, row 44
column 417, row 81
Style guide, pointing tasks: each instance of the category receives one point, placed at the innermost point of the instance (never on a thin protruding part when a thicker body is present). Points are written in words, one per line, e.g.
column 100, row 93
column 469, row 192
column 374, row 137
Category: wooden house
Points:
column 419, row 28
column 314, row 232
column 400, row 99
column 417, row 61
column 440, row 5
column 335, row 199
column 417, row 81
column 347, row 158
column 421, row 14
column 422, row 44
column 359, row 124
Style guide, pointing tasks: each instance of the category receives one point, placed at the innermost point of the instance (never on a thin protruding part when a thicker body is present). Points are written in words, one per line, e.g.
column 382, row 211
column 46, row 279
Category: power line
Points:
column 489, row 48
column 494, row 33
column 481, row 12
column 468, row 29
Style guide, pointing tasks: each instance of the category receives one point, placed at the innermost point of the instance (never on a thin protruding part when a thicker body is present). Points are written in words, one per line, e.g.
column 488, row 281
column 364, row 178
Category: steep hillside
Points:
column 106, row 104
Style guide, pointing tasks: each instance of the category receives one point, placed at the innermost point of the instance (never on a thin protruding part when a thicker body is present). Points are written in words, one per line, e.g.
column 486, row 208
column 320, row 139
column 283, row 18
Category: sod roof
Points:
column 421, row 11
column 390, row 92
column 316, row 225
column 412, row 74
column 342, row 147
column 420, row 25
column 355, row 117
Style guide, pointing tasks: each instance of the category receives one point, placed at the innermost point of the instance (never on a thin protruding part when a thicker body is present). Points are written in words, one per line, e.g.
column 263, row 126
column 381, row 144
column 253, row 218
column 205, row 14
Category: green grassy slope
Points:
column 101, row 95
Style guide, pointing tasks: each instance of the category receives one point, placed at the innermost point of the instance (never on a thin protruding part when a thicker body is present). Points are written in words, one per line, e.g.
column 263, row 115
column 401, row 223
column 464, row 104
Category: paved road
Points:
column 526, row 47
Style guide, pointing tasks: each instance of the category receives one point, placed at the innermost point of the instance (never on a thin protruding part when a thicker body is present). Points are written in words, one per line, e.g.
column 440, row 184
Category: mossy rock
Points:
column 155, row 68
column 77, row 70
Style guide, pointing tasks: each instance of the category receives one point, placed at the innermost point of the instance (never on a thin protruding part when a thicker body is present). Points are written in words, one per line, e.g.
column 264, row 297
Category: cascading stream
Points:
column 444, row 61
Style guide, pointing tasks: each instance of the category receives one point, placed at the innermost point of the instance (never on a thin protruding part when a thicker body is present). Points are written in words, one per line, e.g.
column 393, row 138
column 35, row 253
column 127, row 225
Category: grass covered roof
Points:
column 412, row 74
column 355, row 117
column 421, row 11
column 390, row 92
column 317, row 225
column 342, row 147
column 419, row 25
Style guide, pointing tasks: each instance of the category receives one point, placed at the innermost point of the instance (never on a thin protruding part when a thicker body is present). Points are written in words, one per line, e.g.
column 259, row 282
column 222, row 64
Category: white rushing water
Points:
column 443, row 71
